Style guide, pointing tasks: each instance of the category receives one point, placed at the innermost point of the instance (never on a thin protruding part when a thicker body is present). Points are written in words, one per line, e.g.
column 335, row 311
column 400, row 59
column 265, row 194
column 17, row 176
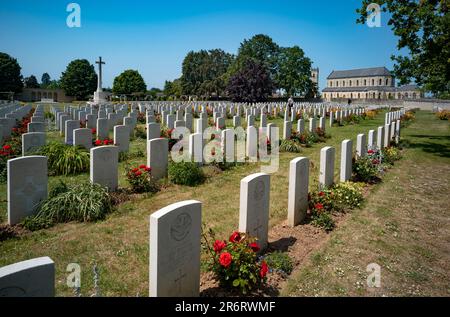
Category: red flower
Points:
column 7, row 147
column 255, row 247
column 143, row 166
column 134, row 170
column 264, row 269
column 98, row 142
column 321, row 194
column 318, row 206
column 235, row 237
column 105, row 142
column 94, row 131
column 370, row 152
column 138, row 173
column 225, row 259
column 148, row 169
column 219, row 245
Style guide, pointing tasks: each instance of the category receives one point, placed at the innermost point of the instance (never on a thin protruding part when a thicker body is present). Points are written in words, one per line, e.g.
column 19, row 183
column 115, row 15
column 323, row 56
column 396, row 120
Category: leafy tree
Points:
column 45, row 80
column 202, row 72
column 423, row 28
column 54, row 84
column 294, row 71
column 31, row 82
column 153, row 92
column 260, row 48
column 79, row 80
column 10, row 77
column 173, row 88
column 251, row 84
column 130, row 81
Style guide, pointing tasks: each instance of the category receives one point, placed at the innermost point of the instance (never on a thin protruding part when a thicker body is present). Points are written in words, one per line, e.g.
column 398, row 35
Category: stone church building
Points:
column 367, row 83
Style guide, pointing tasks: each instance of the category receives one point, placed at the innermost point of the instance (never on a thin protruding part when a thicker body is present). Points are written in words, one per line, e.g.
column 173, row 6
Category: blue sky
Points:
column 154, row 36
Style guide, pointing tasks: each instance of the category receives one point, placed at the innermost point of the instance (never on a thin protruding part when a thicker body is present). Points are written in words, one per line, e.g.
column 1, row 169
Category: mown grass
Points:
column 404, row 227
column 119, row 245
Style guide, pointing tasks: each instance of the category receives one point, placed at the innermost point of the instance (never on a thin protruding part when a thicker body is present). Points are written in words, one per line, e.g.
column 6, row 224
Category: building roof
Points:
column 363, row 72
column 372, row 88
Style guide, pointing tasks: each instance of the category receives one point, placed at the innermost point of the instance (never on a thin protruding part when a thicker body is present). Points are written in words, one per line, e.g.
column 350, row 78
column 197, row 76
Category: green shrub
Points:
column 280, row 261
column 290, row 146
column 84, row 202
column 186, row 173
column 65, row 159
column 141, row 180
column 391, row 155
column 365, row 170
column 348, row 194
column 58, row 189
column 323, row 220
column 140, row 133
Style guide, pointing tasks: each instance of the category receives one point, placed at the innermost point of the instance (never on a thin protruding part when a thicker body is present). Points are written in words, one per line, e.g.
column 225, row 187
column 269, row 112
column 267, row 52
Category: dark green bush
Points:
column 364, row 170
column 186, row 173
column 84, row 203
column 65, row 159
column 323, row 220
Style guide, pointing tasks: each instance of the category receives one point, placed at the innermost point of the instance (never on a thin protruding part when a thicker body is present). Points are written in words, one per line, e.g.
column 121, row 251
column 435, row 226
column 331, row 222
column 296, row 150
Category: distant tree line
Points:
column 260, row 68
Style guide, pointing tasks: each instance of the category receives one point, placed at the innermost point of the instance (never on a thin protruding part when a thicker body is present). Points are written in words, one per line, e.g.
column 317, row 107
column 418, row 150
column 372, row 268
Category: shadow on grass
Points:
column 439, row 148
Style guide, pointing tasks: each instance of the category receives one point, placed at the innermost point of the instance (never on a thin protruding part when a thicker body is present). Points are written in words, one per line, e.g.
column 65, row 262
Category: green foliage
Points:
column 235, row 263
column 173, row 88
column 203, row 72
column 79, row 79
column 291, row 146
column 391, row 155
column 186, row 173
column 250, row 84
column 65, row 159
column 84, row 202
column 58, row 189
column 129, row 82
column 348, row 194
column 422, row 28
column 279, row 261
column 294, row 70
column 31, row 82
column 141, row 180
column 140, row 133
column 323, row 220
column 364, row 170
column 45, row 80
column 10, row 77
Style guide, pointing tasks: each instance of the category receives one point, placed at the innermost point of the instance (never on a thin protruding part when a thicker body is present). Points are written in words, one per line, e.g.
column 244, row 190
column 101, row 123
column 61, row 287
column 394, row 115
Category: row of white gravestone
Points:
column 27, row 179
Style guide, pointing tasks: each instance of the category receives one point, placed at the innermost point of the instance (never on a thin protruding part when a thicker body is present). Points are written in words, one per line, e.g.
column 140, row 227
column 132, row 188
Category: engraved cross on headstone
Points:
column 179, row 278
column 100, row 63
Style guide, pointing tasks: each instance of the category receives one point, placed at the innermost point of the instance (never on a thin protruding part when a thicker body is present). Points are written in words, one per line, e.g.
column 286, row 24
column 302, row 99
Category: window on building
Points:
column 343, row 83
column 387, row 81
column 331, row 84
column 350, row 83
column 337, row 84
column 357, row 83
column 380, row 82
column 365, row 82
column 373, row 82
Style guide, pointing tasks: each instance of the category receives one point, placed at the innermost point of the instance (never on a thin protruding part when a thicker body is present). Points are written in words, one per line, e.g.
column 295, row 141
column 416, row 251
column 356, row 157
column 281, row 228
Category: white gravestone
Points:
column 104, row 166
column 361, row 146
column 175, row 239
column 122, row 137
column 27, row 186
column 326, row 176
column 346, row 160
column 70, row 125
column 32, row 141
column 298, row 190
column 31, row 278
column 157, row 157
column 153, row 131
column 82, row 137
column 254, row 207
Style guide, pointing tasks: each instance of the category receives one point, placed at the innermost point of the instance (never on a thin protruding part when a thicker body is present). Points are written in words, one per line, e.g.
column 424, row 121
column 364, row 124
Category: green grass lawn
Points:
column 404, row 227
column 119, row 245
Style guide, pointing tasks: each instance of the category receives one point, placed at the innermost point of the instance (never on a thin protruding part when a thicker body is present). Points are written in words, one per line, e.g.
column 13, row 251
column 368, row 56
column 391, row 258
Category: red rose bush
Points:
column 236, row 263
